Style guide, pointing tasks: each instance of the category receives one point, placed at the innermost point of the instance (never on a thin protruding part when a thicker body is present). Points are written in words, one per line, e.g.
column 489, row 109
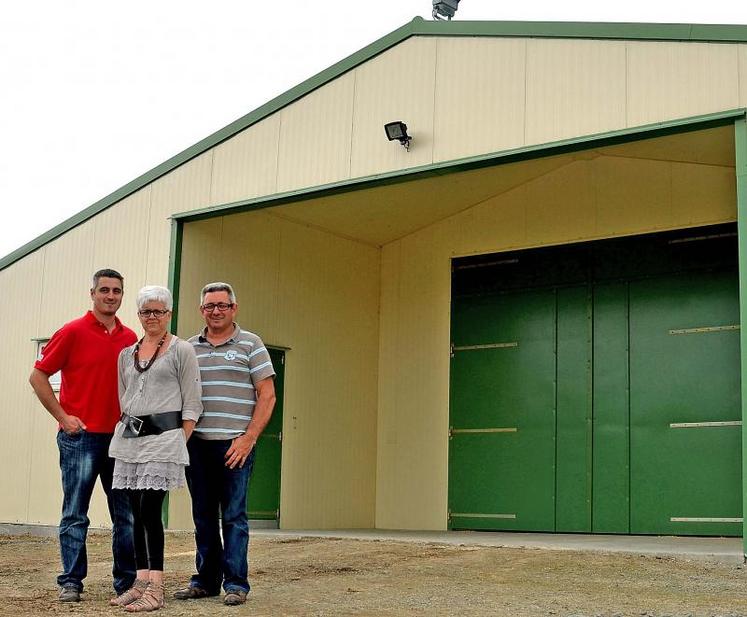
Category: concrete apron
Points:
column 708, row 549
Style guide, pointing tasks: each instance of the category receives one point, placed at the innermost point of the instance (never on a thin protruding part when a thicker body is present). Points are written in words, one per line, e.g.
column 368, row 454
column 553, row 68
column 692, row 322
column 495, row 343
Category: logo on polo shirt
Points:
column 231, row 354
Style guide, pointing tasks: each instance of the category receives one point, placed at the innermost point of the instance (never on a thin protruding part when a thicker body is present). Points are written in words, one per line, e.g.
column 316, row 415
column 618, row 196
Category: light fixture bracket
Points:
column 444, row 9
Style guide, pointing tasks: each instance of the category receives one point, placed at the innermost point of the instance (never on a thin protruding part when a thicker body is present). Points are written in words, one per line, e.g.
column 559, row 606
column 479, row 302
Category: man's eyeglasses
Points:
column 221, row 306
column 155, row 312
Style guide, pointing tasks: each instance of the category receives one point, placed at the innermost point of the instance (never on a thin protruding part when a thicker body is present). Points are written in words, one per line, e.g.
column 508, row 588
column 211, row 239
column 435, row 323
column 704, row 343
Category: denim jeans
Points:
column 84, row 457
column 217, row 490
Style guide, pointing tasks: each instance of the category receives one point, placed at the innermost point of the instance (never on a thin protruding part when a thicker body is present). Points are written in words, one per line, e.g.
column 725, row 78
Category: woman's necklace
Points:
column 142, row 369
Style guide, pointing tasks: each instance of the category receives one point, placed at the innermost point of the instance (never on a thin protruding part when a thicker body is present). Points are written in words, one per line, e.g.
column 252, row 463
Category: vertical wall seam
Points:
column 437, row 43
column 352, row 123
column 526, row 81
column 555, row 405
column 590, row 394
column 277, row 150
column 211, row 193
column 627, row 85
column 148, row 233
column 629, row 397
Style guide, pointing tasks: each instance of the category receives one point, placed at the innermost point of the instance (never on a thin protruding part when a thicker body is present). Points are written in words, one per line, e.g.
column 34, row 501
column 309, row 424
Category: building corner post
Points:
column 740, row 141
column 175, row 265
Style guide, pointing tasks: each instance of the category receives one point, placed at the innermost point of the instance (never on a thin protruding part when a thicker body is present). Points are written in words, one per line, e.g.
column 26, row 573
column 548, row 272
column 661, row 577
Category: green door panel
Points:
column 263, row 497
column 684, row 365
column 502, row 461
column 574, row 411
column 596, row 387
column 611, row 462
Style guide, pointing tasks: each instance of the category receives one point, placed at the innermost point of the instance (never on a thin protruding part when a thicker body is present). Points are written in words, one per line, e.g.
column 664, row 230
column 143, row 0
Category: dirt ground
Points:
column 319, row 576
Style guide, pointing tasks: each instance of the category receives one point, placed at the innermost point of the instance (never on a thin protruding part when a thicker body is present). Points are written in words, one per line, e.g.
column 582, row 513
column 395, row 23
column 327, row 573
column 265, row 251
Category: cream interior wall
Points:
column 318, row 295
column 588, row 199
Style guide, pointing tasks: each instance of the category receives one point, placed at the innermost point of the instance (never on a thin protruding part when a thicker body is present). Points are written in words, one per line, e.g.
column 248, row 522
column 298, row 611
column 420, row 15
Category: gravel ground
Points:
column 321, row 576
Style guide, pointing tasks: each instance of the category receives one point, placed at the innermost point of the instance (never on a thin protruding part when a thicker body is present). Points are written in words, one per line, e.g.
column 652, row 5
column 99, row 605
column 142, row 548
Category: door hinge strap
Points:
column 704, row 424
column 705, row 329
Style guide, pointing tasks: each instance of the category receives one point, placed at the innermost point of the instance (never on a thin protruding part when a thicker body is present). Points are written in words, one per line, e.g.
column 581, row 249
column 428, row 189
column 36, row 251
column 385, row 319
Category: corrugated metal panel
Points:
column 742, row 55
column 693, row 186
column 546, row 204
column 676, row 80
column 480, row 96
column 329, row 295
column 68, row 265
column 413, row 458
column 125, row 251
column 573, row 88
column 185, row 188
column 389, row 495
column 315, row 136
column 19, row 415
column 631, row 195
column 246, row 165
column 397, row 85
column 317, row 294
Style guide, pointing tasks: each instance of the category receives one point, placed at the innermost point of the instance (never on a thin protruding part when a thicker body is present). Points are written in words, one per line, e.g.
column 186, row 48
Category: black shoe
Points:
column 69, row 593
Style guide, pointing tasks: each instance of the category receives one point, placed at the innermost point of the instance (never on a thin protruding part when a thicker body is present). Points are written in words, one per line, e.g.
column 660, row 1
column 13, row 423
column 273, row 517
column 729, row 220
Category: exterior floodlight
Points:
column 398, row 130
column 444, row 9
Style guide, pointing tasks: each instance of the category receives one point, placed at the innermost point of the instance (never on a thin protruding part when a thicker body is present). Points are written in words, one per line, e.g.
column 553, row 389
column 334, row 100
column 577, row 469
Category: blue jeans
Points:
column 217, row 490
column 83, row 457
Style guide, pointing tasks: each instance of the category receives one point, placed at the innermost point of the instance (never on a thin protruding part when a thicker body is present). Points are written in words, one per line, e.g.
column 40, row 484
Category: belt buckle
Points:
column 139, row 425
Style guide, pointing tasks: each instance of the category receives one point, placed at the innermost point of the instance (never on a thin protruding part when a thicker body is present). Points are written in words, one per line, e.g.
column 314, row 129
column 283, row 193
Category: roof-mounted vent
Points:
column 444, row 9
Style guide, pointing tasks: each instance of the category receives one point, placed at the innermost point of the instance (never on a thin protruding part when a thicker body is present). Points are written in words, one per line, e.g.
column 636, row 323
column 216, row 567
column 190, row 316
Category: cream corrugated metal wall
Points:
column 317, row 295
column 459, row 96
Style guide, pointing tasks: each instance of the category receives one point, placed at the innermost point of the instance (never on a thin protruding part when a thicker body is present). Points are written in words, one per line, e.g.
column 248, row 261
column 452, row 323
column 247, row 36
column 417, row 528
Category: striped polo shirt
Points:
column 229, row 373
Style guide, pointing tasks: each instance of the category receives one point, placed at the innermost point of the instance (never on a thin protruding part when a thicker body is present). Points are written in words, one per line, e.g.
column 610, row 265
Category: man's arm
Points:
column 39, row 381
column 242, row 446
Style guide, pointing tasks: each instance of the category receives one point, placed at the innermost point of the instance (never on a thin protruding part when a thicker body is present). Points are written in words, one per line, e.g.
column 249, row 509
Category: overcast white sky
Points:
column 97, row 92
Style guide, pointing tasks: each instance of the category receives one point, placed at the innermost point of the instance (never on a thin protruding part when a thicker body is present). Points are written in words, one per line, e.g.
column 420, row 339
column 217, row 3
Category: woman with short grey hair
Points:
column 160, row 396
column 154, row 293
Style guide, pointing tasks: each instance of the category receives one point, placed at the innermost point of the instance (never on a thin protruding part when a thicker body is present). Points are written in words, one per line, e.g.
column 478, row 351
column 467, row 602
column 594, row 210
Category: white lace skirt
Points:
column 153, row 475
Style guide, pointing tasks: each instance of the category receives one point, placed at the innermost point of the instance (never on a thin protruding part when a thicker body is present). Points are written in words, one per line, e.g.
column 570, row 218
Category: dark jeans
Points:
column 217, row 490
column 84, row 457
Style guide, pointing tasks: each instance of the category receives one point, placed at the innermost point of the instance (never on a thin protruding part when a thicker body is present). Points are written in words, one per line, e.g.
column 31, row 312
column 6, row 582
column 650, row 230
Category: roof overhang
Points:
column 379, row 209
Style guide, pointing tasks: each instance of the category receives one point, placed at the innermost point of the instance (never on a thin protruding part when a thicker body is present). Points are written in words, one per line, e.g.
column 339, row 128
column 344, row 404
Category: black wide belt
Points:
column 152, row 424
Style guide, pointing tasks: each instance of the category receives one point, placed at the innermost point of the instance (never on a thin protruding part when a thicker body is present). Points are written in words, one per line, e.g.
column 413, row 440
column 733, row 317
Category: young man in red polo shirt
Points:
column 86, row 351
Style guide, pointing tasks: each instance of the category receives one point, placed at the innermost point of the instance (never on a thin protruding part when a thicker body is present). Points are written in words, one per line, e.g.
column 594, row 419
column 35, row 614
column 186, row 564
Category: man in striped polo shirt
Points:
column 238, row 395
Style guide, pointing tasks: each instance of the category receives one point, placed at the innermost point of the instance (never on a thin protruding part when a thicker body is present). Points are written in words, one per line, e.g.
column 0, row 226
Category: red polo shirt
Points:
column 87, row 353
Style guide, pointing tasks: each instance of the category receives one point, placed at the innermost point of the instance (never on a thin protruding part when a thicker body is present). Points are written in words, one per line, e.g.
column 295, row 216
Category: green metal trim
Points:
column 711, row 33
column 417, row 27
column 660, row 129
column 165, row 511
column 175, row 268
column 175, row 263
column 740, row 142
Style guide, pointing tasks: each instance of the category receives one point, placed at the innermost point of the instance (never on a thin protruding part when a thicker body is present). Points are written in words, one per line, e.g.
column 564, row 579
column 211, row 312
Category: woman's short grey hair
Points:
column 154, row 293
column 217, row 286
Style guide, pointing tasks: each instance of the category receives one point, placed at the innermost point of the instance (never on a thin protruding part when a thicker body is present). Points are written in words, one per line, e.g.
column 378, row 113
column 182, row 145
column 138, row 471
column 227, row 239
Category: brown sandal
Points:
column 151, row 600
column 132, row 594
